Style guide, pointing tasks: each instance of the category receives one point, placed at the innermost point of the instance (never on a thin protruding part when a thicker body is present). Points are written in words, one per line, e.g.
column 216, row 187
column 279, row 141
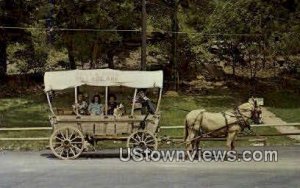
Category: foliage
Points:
column 183, row 31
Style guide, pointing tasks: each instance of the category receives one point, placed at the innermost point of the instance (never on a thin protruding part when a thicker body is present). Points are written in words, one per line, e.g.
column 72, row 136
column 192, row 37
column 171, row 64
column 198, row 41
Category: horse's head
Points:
column 250, row 110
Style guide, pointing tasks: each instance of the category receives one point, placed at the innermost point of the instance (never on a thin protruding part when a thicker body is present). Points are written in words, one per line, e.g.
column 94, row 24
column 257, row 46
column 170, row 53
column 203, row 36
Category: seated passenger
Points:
column 112, row 104
column 146, row 102
column 95, row 108
column 81, row 106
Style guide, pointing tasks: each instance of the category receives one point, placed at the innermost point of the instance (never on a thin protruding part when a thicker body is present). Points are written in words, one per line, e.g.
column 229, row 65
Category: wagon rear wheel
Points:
column 143, row 140
column 67, row 142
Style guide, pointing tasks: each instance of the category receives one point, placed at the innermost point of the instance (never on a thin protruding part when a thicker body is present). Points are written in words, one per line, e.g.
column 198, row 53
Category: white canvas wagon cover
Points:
column 59, row 80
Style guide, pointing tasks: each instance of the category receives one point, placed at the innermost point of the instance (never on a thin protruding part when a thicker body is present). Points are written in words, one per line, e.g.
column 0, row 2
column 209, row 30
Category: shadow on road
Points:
column 88, row 155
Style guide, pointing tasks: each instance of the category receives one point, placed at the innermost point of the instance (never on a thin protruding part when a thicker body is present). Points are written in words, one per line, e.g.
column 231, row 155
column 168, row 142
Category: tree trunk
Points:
column 72, row 63
column 110, row 60
column 144, row 37
column 233, row 66
column 175, row 29
column 3, row 60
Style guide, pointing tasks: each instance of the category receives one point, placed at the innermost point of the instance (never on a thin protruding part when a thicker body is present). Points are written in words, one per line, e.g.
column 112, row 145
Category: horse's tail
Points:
column 185, row 130
column 198, row 116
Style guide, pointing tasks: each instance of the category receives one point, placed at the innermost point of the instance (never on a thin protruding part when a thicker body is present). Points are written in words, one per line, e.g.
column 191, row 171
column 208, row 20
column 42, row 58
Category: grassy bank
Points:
column 29, row 111
column 285, row 105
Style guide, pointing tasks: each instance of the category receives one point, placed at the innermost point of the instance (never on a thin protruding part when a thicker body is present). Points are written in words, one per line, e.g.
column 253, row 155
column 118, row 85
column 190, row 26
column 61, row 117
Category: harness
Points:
column 240, row 119
column 237, row 114
column 226, row 122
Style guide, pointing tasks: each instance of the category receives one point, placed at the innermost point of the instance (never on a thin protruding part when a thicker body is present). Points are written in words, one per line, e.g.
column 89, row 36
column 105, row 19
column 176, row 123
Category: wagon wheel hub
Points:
column 143, row 145
column 67, row 143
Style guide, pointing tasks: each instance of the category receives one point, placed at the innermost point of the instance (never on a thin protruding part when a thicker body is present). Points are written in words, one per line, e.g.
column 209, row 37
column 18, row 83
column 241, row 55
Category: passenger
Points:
column 112, row 104
column 95, row 108
column 146, row 102
column 81, row 105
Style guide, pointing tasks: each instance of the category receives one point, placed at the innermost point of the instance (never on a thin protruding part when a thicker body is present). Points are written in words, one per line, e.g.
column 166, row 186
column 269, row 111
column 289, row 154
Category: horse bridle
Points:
column 242, row 119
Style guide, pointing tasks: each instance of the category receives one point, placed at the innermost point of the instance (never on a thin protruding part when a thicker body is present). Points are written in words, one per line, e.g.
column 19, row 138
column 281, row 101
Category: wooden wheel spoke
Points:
column 72, row 151
column 56, row 137
column 138, row 136
column 149, row 141
column 147, row 137
column 143, row 136
column 150, row 145
column 67, row 133
column 61, row 148
column 62, row 134
column 136, row 141
column 76, row 142
column 61, row 152
column 72, row 134
column 76, row 148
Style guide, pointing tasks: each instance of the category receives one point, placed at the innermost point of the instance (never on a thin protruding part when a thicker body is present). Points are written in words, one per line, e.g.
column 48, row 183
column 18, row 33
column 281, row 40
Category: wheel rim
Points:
column 67, row 143
column 143, row 140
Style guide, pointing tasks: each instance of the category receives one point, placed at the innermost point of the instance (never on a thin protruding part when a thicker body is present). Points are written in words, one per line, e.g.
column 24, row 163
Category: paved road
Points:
column 39, row 169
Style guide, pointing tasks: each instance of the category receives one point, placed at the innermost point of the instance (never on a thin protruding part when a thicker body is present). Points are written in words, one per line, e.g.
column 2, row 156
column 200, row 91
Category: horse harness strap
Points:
column 226, row 121
column 200, row 114
column 200, row 122
column 240, row 120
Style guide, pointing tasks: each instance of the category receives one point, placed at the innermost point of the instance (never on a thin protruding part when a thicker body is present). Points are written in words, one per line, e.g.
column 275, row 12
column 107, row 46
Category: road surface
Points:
column 104, row 169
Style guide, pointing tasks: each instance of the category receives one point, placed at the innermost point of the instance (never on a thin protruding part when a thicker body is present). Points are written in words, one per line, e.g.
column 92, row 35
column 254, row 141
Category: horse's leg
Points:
column 230, row 138
column 197, row 144
column 197, row 141
column 233, row 140
column 189, row 143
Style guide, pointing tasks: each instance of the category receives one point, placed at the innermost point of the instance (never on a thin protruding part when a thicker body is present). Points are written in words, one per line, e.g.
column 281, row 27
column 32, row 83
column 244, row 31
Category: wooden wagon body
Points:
column 72, row 133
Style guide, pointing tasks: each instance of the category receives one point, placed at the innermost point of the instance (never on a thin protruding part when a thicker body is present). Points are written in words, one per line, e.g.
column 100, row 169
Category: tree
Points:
column 102, row 17
column 14, row 13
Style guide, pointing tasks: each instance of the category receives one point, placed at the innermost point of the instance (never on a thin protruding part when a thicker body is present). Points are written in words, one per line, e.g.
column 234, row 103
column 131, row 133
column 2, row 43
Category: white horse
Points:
column 230, row 123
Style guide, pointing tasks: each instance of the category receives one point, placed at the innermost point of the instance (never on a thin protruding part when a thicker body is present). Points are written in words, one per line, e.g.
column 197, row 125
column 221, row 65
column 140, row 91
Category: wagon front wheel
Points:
column 67, row 142
column 143, row 140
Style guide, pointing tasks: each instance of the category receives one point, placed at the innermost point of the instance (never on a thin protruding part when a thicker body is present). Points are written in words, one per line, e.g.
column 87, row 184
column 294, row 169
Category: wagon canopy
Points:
column 59, row 80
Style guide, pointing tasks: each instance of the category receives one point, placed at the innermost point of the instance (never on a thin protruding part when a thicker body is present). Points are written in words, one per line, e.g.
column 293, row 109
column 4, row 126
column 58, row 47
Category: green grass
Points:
column 285, row 105
column 29, row 111
column 24, row 112
column 33, row 111
column 291, row 115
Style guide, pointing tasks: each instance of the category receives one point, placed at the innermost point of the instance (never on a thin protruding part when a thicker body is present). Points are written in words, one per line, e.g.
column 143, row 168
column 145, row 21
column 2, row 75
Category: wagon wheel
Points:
column 142, row 139
column 67, row 142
